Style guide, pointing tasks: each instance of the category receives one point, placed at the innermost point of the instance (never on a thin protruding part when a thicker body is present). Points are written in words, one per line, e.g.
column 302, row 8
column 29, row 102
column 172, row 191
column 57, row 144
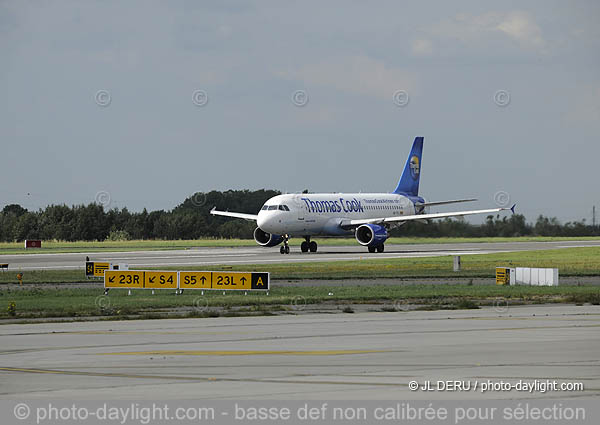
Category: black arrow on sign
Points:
column 151, row 279
column 243, row 279
column 111, row 279
column 202, row 279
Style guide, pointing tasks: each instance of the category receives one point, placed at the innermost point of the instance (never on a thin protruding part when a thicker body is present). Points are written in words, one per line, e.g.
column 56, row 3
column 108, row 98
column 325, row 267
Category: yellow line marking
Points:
column 145, row 333
column 244, row 353
column 16, row 369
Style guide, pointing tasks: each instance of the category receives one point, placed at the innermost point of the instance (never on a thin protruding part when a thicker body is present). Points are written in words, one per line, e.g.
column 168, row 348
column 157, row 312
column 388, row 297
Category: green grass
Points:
column 32, row 303
column 145, row 245
column 569, row 261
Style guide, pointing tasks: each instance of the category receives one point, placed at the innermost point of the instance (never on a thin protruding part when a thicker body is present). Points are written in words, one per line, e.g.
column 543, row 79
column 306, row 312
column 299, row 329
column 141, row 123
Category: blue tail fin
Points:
column 409, row 182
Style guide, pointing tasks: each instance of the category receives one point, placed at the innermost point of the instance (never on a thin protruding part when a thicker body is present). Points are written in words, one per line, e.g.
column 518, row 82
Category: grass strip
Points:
column 36, row 302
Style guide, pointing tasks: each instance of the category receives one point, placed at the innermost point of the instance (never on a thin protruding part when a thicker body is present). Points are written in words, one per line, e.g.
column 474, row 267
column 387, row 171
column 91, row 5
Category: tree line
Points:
column 192, row 220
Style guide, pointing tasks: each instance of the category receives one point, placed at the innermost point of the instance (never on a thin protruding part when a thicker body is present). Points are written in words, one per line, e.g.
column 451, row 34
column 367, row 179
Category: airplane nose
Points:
column 261, row 221
column 265, row 221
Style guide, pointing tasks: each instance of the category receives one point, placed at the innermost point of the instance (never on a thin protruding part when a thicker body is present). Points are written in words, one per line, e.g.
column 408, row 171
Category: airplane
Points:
column 367, row 216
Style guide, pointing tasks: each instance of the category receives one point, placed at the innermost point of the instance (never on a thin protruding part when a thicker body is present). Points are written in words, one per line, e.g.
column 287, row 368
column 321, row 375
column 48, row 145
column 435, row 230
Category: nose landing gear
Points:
column 285, row 248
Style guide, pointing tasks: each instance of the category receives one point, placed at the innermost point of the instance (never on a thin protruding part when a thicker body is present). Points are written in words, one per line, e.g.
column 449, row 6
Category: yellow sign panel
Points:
column 123, row 279
column 93, row 268
column 231, row 280
column 502, row 276
column 158, row 280
column 186, row 280
column 195, row 280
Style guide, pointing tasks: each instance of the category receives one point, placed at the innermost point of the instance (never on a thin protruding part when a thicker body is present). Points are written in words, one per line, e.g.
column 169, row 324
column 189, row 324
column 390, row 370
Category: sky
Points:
column 143, row 103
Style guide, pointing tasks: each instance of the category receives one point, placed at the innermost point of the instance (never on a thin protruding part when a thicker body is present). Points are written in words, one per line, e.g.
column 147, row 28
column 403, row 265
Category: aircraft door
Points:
column 299, row 207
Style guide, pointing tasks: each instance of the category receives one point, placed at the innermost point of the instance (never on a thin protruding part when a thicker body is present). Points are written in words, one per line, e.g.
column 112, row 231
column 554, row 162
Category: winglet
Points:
column 513, row 208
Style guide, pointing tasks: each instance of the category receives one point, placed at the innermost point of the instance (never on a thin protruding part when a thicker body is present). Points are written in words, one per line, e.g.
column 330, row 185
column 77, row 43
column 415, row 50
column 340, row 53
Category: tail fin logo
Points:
column 414, row 167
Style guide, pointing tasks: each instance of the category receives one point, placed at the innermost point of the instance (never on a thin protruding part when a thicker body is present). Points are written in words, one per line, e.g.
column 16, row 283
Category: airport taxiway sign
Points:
column 260, row 281
column 221, row 280
column 195, row 280
column 94, row 268
column 231, row 280
column 502, row 276
column 160, row 280
column 124, row 279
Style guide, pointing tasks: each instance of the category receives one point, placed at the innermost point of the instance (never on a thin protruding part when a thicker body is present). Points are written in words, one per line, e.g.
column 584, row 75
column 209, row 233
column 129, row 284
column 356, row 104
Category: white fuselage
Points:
column 321, row 213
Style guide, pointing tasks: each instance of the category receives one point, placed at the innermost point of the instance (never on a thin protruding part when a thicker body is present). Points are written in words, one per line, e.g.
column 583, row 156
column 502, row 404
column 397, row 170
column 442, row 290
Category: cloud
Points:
column 422, row 46
column 517, row 25
column 521, row 27
column 360, row 75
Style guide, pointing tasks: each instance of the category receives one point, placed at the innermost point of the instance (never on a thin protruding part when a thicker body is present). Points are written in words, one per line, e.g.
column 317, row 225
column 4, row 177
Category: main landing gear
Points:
column 378, row 248
column 307, row 245
column 285, row 248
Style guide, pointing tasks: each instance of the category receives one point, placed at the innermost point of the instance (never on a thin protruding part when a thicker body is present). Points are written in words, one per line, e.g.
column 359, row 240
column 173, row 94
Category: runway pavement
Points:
column 315, row 357
column 260, row 255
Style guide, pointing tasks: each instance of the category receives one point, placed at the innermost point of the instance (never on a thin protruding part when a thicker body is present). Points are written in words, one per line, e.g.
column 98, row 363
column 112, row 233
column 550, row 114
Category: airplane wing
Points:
column 455, row 201
column 251, row 217
column 347, row 224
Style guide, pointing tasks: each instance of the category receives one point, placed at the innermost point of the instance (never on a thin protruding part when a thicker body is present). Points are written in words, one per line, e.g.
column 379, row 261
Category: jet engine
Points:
column 266, row 239
column 371, row 235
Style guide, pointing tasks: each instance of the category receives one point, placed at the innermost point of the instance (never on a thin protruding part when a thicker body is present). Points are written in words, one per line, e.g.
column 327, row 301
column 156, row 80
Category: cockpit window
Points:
column 275, row 207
